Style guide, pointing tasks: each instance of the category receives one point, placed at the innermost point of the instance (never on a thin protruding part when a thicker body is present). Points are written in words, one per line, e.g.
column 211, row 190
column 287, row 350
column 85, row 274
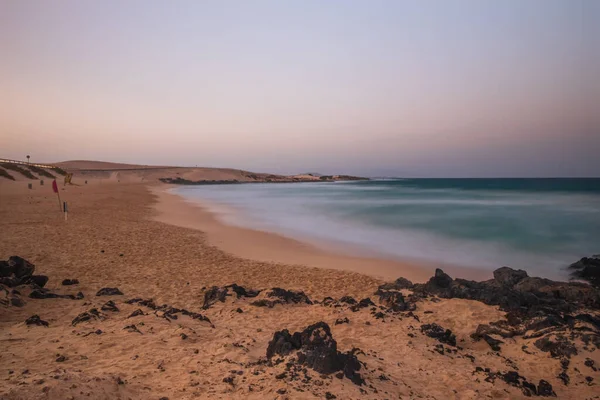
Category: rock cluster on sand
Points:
column 542, row 320
column 17, row 271
column 316, row 348
column 269, row 298
column 555, row 313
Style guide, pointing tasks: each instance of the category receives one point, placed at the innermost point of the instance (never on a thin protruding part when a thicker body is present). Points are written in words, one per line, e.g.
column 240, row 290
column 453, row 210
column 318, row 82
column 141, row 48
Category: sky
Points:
column 448, row 88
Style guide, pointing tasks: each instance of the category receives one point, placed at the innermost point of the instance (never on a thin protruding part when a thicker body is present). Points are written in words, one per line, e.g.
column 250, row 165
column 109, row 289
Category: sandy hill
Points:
column 84, row 169
column 87, row 170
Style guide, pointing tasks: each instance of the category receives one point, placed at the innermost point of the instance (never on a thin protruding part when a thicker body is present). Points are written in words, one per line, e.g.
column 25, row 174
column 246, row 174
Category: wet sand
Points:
column 272, row 247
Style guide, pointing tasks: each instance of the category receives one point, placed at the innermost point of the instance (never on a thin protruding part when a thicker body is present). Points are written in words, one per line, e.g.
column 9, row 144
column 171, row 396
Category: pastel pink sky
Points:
column 406, row 88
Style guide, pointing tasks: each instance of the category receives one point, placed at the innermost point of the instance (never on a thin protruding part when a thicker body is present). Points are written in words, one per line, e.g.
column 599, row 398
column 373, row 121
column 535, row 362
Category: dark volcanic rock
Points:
column 38, row 280
column 348, row 300
column 36, row 320
column 109, row 292
column 395, row 301
column 494, row 343
column 587, row 269
column 289, row 296
column 88, row 316
column 364, row 303
column 282, row 296
column 215, row 293
column 110, row 306
column 440, row 279
column 18, row 271
column 437, row 332
column 509, row 277
column 398, row 284
column 530, row 296
column 136, row 313
column 545, row 389
column 514, row 379
column 484, row 331
column 6, row 269
column 340, row 321
column 168, row 312
column 46, row 294
column 564, row 377
column 560, row 347
column 10, row 281
column 68, row 282
column 20, row 266
column 316, row 348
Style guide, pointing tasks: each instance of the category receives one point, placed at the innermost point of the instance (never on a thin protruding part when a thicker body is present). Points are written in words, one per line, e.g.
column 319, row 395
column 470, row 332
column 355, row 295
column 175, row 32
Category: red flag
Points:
column 54, row 187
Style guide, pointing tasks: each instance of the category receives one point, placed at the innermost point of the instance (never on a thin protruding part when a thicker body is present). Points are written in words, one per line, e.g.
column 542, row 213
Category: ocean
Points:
column 540, row 225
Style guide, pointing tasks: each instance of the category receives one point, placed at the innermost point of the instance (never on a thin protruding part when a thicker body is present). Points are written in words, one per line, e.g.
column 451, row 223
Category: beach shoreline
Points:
column 175, row 209
column 163, row 300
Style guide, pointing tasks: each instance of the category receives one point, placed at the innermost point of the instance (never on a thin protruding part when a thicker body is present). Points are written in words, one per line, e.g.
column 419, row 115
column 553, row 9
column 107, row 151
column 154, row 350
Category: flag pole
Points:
column 55, row 189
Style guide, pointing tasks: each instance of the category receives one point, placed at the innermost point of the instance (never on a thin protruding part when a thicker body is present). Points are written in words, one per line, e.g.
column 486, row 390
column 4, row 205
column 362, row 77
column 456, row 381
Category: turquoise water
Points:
column 540, row 225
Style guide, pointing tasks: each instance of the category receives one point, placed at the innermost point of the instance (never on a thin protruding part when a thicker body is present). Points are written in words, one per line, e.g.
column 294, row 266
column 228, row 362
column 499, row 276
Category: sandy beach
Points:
column 150, row 244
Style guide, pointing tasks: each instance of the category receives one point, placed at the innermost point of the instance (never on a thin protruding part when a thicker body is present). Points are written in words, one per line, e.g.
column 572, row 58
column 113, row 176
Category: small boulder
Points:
column 36, row 320
column 38, row 280
column 20, row 266
column 545, row 389
column 395, row 301
column 109, row 292
column 110, row 306
column 440, row 334
column 509, row 277
column 316, row 348
column 69, row 282
column 440, row 279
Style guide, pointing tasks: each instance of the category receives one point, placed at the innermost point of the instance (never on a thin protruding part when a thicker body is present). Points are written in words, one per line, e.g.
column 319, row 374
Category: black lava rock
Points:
column 545, row 389
column 36, row 320
column 437, row 332
column 110, row 306
column 509, row 277
column 215, row 293
column 316, row 348
column 587, row 269
column 109, row 292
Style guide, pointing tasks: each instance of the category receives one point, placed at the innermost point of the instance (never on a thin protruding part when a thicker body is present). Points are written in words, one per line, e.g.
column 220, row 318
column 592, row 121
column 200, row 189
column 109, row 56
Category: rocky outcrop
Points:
column 440, row 334
column 398, row 284
column 513, row 378
column 168, row 312
column 315, row 348
column 536, row 308
column 513, row 290
column 17, row 271
column 587, row 269
column 394, row 301
column 215, row 293
column 282, row 296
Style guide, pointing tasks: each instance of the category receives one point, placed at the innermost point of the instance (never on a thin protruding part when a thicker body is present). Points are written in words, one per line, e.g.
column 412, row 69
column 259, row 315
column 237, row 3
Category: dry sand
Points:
column 116, row 236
